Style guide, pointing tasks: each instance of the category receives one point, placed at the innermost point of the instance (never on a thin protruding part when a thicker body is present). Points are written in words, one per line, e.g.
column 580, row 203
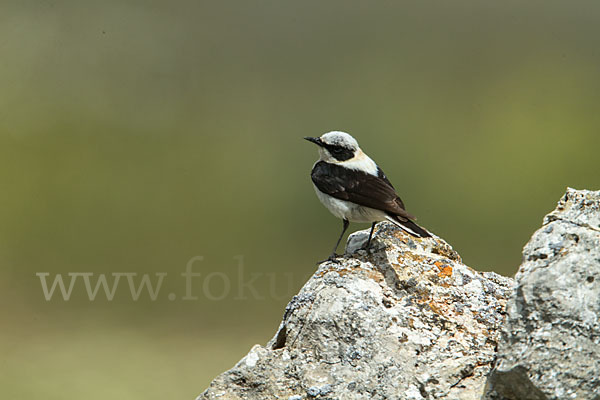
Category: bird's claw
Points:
column 332, row 258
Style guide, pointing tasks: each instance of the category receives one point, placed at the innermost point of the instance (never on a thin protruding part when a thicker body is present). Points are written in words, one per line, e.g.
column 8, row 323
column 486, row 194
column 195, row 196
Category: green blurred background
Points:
column 135, row 135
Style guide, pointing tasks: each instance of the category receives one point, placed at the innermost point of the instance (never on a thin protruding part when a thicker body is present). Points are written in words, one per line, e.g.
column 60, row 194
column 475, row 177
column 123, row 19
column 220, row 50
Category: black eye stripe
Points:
column 339, row 152
column 334, row 148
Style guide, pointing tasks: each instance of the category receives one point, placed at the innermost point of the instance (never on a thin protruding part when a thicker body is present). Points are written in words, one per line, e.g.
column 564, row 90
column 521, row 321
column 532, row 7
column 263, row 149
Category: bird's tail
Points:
column 408, row 226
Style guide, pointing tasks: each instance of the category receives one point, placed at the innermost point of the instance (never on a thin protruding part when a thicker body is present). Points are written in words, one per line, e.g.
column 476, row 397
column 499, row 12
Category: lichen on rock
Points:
column 406, row 320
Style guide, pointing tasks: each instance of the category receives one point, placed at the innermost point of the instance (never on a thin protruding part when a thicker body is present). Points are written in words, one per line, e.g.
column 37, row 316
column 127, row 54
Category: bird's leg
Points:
column 345, row 224
column 370, row 236
column 333, row 256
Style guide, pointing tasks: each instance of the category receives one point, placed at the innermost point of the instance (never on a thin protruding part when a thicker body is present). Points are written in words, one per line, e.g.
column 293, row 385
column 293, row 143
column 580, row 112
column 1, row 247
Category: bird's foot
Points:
column 331, row 258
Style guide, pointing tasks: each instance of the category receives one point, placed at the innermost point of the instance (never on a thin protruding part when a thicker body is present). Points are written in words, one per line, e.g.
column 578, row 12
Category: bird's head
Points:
column 336, row 146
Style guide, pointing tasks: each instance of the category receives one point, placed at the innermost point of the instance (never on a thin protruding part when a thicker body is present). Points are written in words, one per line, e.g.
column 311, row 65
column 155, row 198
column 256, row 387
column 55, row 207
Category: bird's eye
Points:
column 340, row 153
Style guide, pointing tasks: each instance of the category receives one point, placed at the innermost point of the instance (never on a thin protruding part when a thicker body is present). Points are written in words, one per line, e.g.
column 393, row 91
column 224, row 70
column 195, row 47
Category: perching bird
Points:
column 354, row 188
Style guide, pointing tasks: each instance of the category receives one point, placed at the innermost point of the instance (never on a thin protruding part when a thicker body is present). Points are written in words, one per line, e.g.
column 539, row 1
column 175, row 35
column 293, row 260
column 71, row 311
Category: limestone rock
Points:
column 408, row 320
column 550, row 346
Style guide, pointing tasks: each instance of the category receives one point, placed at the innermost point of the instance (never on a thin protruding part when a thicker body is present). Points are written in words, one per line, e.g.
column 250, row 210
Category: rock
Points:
column 408, row 320
column 550, row 347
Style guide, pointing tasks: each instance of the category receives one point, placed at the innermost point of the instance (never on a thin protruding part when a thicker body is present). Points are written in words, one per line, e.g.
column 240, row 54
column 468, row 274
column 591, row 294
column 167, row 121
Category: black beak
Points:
column 315, row 140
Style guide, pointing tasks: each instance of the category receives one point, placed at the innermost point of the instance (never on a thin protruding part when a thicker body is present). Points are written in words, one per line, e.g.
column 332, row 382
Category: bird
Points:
column 354, row 188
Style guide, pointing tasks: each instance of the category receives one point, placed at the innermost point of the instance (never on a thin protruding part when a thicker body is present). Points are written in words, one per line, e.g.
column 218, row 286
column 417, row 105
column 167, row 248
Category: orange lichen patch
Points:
column 445, row 272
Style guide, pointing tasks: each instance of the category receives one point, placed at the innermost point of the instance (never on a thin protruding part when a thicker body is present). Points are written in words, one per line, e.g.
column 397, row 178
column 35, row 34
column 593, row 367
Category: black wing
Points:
column 358, row 187
column 382, row 176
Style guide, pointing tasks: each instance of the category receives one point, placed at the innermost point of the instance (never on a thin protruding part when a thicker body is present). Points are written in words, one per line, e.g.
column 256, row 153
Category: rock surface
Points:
column 550, row 346
column 407, row 320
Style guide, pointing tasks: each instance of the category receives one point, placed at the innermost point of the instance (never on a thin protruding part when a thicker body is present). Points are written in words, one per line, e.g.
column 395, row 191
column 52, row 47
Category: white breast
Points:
column 347, row 210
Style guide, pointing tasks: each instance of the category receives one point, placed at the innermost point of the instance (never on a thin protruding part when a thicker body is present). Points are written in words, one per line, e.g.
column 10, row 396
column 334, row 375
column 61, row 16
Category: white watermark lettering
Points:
column 213, row 286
